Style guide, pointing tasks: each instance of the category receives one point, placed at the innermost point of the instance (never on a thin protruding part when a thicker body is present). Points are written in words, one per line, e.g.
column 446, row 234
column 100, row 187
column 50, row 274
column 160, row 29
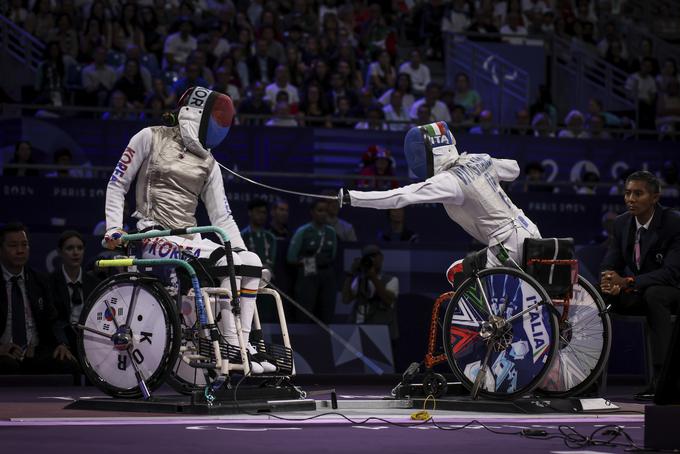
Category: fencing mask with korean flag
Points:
column 430, row 149
column 205, row 117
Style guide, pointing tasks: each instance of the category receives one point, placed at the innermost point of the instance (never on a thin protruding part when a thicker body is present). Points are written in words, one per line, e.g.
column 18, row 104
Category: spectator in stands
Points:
column 379, row 164
column 611, row 35
column 229, row 64
column 134, row 52
column 16, row 12
column 161, row 90
column 192, row 78
column 403, row 84
column 278, row 223
column 668, row 108
column 223, row 78
column 200, row 58
column 118, row 108
column 544, row 104
column 282, row 116
column 457, row 18
column 541, row 125
column 640, row 272
column 255, row 104
column 40, row 21
column 152, row 33
column 513, row 26
column 352, row 75
column 522, row 123
column 608, row 220
column 301, row 16
column 574, row 122
column 65, row 34
column 275, row 49
column 261, row 66
column 51, row 76
column 338, row 89
column 131, row 84
column 641, row 87
column 534, row 178
column 71, row 286
column 588, row 183
column 418, row 71
column 179, row 45
column 646, row 53
column 430, row 28
column 437, row 108
column 381, row 74
column 63, row 157
column 376, row 34
column 615, row 56
column 669, row 72
column 483, row 25
column 486, row 124
column 343, row 113
column 101, row 13
column 372, row 293
column 397, row 230
column 458, row 120
column 375, row 119
column 90, row 39
column 23, row 154
column 238, row 53
column 396, row 116
column 257, row 238
column 423, row 115
column 98, row 78
column 312, row 250
column 313, row 108
column 128, row 25
column 27, row 343
column 596, row 124
column 296, row 67
column 343, row 229
column 610, row 120
column 281, row 83
column 466, row 96
column 154, row 104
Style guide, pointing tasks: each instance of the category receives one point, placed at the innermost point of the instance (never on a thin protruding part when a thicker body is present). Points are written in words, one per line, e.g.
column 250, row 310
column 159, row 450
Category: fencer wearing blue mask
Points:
column 467, row 185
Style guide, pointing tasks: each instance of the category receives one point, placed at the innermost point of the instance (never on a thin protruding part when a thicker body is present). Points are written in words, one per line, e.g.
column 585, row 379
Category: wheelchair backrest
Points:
column 552, row 262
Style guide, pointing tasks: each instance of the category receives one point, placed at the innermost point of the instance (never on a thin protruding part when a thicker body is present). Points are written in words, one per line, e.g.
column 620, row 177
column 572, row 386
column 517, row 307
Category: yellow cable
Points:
column 424, row 415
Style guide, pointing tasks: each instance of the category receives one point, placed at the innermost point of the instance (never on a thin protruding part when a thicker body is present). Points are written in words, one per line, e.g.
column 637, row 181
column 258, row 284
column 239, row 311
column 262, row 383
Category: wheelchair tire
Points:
column 585, row 341
column 520, row 352
column 153, row 325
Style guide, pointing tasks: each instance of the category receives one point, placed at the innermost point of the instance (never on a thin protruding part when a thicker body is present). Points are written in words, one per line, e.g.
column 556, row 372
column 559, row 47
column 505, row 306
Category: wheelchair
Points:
column 134, row 335
column 510, row 331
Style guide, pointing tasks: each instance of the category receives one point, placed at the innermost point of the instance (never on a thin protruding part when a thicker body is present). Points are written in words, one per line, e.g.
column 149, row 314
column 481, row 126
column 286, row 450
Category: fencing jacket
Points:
column 470, row 193
column 170, row 180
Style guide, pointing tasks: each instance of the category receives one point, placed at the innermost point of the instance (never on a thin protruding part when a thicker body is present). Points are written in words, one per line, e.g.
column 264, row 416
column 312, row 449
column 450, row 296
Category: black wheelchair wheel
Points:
column 585, row 341
column 127, row 318
column 500, row 322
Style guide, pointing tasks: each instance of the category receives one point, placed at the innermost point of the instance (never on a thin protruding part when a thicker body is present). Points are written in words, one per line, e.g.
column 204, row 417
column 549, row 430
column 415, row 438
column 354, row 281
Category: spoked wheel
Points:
column 585, row 341
column 184, row 378
column 500, row 333
column 129, row 330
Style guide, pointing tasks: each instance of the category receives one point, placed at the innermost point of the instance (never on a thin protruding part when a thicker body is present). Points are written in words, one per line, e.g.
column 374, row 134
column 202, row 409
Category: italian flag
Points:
column 435, row 129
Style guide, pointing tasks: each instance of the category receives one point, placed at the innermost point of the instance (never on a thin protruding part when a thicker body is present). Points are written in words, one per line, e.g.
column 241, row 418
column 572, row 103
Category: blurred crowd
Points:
column 327, row 63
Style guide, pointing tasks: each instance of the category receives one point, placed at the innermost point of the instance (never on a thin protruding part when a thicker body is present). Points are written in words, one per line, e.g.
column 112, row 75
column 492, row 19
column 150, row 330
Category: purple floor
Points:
column 33, row 419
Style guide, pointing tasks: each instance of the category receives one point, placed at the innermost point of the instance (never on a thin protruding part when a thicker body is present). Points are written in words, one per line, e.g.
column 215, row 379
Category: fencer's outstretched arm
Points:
column 124, row 174
column 218, row 209
column 441, row 188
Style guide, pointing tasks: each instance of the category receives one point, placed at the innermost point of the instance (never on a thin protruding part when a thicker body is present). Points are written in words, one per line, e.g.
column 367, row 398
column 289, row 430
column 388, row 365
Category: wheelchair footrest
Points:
column 282, row 355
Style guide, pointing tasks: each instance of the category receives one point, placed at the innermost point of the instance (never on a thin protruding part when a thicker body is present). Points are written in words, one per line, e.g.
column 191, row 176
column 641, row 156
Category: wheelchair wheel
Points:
column 181, row 376
column 585, row 340
column 130, row 327
column 500, row 333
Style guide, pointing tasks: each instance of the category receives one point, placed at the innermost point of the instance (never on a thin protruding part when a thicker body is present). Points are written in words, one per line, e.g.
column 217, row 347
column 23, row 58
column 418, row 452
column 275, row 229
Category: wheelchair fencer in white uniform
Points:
column 174, row 167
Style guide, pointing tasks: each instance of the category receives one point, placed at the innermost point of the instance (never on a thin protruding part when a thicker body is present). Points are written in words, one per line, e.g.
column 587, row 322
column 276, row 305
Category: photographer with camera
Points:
column 373, row 293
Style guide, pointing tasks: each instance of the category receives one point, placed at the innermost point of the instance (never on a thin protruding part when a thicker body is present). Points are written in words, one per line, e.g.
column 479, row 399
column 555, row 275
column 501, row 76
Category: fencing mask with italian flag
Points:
column 429, row 149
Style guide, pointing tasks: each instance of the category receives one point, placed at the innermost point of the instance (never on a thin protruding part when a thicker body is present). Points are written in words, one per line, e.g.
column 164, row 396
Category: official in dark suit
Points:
column 27, row 313
column 641, row 270
column 71, row 286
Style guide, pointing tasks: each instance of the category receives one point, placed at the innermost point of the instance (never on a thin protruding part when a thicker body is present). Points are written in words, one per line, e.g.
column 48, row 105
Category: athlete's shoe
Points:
column 263, row 360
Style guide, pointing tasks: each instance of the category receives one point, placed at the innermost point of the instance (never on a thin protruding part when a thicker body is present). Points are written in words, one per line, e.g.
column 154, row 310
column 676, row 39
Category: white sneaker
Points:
column 262, row 363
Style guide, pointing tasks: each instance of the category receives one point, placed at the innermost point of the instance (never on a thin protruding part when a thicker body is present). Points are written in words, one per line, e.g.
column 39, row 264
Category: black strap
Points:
column 240, row 270
column 18, row 313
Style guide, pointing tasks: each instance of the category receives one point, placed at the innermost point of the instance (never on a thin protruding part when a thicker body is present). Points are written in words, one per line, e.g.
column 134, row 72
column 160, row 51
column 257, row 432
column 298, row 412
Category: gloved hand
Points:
column 344, row 198
column 112, row 238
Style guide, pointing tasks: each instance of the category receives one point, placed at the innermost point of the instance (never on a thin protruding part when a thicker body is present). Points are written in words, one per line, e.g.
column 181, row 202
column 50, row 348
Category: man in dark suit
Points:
column 27, row 314
column 71, row 287
column 641, row 270
column 261, row 66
